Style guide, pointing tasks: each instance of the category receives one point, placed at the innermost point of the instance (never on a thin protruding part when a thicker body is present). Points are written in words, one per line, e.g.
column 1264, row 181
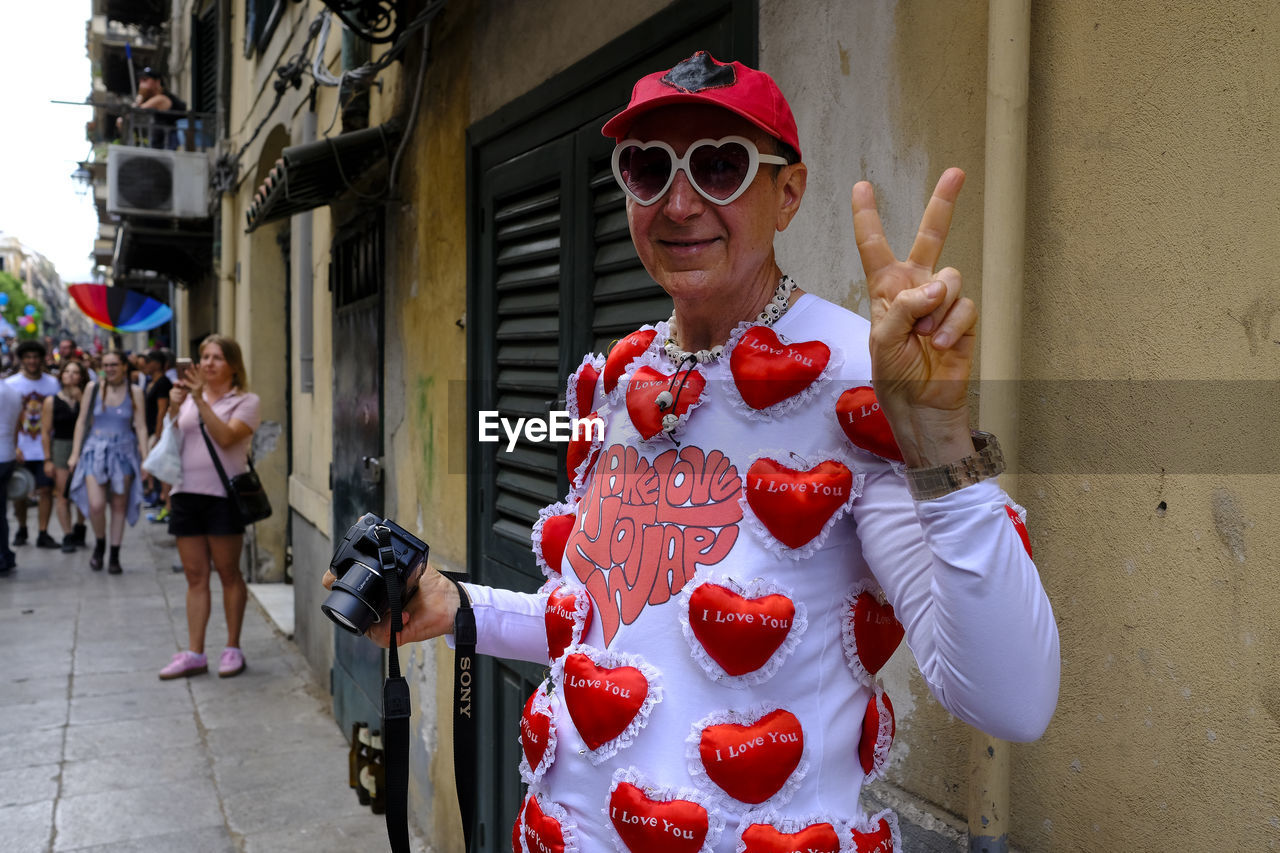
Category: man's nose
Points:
column 682, row 201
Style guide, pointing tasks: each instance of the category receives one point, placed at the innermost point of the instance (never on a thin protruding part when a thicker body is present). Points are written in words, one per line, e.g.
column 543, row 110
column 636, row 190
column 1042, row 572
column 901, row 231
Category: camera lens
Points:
column 357, row 600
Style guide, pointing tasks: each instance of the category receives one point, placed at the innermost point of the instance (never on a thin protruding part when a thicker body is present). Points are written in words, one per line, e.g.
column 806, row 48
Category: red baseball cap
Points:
column 701, row 79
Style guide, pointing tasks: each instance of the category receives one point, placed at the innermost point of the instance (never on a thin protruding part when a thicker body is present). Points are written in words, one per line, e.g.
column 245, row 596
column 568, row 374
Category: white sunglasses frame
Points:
column 754, row 159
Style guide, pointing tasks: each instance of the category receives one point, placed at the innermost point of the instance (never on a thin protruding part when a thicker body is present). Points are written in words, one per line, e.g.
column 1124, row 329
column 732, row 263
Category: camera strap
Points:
column 464, row 696
column 396, row 708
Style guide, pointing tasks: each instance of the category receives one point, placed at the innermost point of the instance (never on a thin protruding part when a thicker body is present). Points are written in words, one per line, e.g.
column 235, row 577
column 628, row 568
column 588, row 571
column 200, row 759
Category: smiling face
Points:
column 703, row 254
column 113, row 368
column 32, row 364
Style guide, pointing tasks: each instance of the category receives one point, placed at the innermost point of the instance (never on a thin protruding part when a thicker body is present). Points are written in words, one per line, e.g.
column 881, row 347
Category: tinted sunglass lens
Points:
column 720, row 170
column 645, row 170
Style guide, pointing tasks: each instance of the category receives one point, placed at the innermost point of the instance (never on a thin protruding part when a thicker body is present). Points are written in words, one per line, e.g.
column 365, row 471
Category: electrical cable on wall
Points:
column 290, row 74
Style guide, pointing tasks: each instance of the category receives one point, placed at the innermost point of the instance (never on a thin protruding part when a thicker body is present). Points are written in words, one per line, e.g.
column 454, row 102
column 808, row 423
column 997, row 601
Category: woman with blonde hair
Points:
column 57, row 433
column 110, row 442
column 213, row 394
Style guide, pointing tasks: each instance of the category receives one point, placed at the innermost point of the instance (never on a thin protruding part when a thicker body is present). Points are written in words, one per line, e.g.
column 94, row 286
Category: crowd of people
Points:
column 81, row 425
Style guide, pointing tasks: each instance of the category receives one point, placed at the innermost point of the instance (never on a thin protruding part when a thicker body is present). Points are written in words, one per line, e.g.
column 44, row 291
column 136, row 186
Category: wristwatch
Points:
column 926, row 484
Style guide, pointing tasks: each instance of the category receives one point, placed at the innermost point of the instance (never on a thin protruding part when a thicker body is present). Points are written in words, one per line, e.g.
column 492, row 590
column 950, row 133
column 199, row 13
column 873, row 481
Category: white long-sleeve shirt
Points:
column 663, row 534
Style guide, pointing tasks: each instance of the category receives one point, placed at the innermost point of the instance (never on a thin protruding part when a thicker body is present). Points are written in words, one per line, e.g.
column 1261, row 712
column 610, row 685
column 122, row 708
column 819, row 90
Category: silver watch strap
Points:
column 926, row 484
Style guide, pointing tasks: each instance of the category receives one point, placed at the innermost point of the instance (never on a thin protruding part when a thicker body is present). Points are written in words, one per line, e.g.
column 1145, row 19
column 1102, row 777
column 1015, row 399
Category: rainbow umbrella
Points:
column 119, row 309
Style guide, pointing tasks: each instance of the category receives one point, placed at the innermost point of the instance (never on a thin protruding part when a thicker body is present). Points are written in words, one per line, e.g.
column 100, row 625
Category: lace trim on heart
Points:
column 815, row 458
column 748, row 717
column 552, row 809
column 581, row 607
column 791, row 824
column 782, row 408
column 569, row 507
column 612, row 660
column 654, row 348
column 578, row 482
column 663, row 794
column 757, row 588
column 884, row 735
column 848, row 639
column 543, row 702
column 869, row 825
column 657, row 359
column 571, row 403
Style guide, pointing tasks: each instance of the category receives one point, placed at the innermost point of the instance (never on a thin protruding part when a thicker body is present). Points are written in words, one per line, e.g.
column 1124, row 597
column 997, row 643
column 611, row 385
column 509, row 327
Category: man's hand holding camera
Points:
column 427, row 615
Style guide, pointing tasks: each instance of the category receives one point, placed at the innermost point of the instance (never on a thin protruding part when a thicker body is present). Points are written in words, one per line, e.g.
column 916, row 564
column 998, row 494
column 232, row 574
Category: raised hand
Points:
column 922, row 330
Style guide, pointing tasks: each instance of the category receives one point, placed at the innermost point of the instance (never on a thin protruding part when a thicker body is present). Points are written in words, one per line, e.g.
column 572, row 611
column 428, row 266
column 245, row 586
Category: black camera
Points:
column 359, row 595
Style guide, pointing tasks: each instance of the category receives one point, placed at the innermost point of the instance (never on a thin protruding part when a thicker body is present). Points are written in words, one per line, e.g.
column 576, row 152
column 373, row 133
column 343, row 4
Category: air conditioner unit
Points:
column 156, row 182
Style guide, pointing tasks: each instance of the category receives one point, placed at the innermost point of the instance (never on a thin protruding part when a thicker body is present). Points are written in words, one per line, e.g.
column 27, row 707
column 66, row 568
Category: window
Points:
column 260, row 19
column 204, row 61
column 553, row 274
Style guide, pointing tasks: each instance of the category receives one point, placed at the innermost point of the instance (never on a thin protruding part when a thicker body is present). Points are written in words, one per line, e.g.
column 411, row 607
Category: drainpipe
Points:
column 227, row 268
column 1003, row 241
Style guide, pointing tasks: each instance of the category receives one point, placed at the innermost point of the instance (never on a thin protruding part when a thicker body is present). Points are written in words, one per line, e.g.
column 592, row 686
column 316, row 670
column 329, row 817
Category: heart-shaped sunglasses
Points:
column 720, row 170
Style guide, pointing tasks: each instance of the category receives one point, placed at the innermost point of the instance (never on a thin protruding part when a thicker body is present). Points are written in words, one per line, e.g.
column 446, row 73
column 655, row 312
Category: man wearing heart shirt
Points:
column 758, row 528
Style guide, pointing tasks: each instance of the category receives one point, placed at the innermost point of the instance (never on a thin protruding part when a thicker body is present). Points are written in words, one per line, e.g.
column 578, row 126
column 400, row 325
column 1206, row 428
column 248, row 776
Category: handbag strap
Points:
column 217, row 463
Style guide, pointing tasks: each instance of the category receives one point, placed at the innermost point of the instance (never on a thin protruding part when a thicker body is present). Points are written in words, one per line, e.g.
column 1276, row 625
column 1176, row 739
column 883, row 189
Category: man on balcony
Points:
column 152, row 95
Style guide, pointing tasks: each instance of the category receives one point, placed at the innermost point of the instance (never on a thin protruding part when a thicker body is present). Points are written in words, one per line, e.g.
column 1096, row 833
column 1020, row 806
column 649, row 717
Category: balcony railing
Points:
column 175, row 130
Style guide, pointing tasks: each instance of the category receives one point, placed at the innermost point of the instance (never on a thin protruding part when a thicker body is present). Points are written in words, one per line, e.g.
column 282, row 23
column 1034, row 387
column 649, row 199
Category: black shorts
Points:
column 203, row 515
column 37, row 470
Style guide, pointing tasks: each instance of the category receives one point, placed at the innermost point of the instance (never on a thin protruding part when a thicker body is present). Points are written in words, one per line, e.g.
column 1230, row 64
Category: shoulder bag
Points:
column 245, row 490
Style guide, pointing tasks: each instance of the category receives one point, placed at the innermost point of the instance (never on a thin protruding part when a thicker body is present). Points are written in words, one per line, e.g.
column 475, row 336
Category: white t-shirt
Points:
column 10, row 407
column 32, row 392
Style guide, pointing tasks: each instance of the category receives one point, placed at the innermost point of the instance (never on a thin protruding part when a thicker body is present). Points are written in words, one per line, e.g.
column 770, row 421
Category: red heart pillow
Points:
column 647, row 826
column 751, row 762
column 874, row 632
column 766, row 371
column 739, row 633
column 536, row 733
column 859, row 415
column 602, row 701
column 553, row 534
column 542, row 832
column 623, row 353
column 815, row 838
column 517, row 828
column 582, row 446
column 876, row 834
column 561, row 619
column 642, row 397
column 878, row 729
column 1020, row 526
column 584, row 390
column 795, row 505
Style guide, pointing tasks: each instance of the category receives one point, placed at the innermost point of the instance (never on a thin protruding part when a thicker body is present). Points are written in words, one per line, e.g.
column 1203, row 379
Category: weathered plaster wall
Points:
column 523, row 44
column 892, row 93
column 1152, row 214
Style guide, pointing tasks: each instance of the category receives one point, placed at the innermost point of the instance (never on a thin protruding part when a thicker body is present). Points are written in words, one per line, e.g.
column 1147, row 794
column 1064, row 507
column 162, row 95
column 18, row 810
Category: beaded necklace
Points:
column 772, row 312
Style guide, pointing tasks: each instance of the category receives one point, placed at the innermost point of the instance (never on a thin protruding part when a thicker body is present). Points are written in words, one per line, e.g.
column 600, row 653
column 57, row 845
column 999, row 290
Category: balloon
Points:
column 29, row 310
column 4, row 299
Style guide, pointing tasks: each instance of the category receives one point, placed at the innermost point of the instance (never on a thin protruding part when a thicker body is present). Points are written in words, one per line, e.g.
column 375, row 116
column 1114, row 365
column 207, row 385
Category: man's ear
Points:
column 790, row 183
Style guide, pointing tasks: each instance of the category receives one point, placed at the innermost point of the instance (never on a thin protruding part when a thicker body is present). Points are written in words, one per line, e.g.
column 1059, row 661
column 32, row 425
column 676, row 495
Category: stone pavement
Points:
column 97, row 754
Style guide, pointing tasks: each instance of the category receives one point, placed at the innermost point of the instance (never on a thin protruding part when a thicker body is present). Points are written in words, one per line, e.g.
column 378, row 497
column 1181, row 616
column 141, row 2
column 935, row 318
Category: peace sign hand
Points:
column 922, row 331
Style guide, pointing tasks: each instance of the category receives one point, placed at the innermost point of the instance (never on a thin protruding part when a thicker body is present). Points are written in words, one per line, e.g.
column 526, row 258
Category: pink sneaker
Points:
column 185, row 664
column 231, row 662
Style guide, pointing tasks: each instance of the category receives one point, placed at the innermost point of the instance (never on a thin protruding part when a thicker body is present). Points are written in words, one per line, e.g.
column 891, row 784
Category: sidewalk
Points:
column 97, row 754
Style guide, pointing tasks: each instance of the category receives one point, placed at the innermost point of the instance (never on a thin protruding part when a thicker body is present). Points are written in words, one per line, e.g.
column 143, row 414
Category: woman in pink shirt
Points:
column 201, row 515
